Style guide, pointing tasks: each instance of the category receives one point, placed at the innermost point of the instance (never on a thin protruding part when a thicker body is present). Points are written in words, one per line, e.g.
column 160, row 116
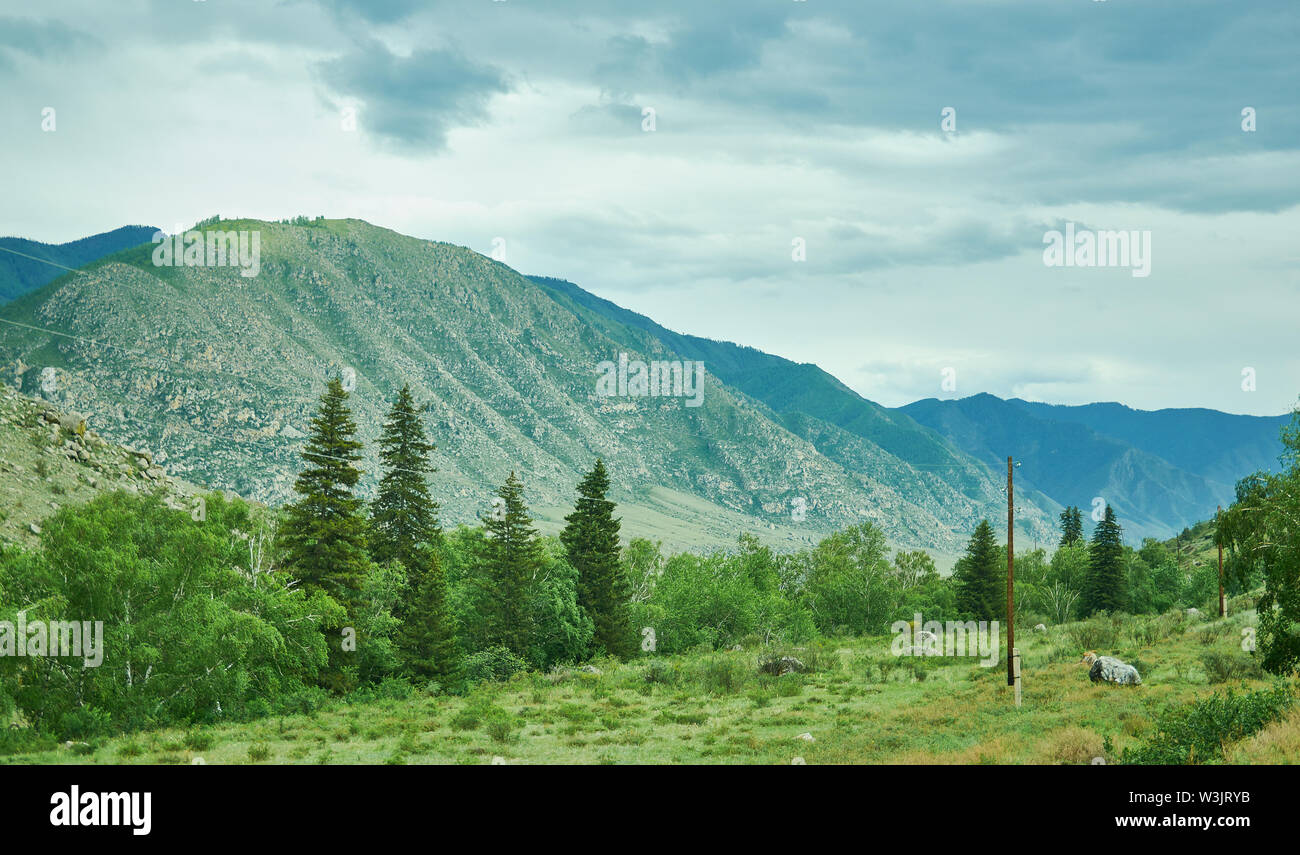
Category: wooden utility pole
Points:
column 1011, row 579
column 1222, row 610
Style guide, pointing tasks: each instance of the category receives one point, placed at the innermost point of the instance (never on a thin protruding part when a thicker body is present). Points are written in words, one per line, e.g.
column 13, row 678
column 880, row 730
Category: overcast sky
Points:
column 773, row 121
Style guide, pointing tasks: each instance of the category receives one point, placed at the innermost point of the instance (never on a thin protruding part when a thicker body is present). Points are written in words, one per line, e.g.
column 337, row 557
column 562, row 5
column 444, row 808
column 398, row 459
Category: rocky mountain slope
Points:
column 219, row 374
column 49, row 458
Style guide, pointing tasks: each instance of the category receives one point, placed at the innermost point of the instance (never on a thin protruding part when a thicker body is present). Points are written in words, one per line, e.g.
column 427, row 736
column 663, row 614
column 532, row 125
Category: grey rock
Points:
column 1111, row 670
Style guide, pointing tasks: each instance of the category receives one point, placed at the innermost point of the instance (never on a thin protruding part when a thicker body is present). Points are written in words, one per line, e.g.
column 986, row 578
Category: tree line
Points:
column 244, row 611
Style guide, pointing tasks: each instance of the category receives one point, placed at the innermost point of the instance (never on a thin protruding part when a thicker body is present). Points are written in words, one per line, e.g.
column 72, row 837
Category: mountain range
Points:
column 218, row 376
column 26, row 265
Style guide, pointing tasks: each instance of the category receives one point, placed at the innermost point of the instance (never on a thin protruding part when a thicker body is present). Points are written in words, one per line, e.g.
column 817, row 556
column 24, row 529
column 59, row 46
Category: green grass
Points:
column 721, row 709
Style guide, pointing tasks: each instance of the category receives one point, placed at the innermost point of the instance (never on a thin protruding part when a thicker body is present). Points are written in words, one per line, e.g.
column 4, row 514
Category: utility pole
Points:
column 1222, row 610
column 1011, row 577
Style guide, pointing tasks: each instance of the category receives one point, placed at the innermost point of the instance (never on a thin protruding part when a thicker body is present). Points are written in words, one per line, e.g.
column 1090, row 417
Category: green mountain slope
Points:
column 218, row 375
column 26, row 265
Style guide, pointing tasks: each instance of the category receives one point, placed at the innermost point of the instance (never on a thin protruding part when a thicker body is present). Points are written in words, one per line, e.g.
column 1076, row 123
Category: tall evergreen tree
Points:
column 428, row 634
column 510, row 563
column 981, row 578
column 403, row 517
column 1104, row 588
column 323, row 537
column 590, row 540
column 1071, row 526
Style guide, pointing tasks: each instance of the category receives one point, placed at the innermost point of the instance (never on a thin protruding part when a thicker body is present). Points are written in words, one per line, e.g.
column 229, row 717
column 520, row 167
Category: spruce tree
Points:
column 981, row 581
column 403, row 517
column 1104, row 588
column 323, row 538
column 590, row 541
column 428, row 634
column 1071, row 526
column 511, row 561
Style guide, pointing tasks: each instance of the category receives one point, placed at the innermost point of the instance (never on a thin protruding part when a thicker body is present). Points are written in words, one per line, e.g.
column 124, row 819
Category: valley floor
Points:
column 859, row 703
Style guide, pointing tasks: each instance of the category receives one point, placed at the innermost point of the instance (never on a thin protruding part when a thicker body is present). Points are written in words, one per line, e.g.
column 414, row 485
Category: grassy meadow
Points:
column 857, row 701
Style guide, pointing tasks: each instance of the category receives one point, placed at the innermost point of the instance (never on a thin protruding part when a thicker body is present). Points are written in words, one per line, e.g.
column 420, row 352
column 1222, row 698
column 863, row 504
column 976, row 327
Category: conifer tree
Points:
column 1104, row 588
column 1071, row 526
column 428, row 634
column 981, row 581
column 510, row 563
column 323, row 538
column 403, row 517
column 590, row 540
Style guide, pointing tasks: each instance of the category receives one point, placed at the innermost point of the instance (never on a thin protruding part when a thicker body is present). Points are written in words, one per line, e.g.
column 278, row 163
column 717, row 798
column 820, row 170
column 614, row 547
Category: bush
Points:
column 1097, row 632
column 659, row 671
column 84, row 723
column 1196, row 733
column 500, row 725
column 19, row 740
column 1228, row 667
column 1073, row 746
column 259, row 752
column 495, row 664
column 720, row 676
column 197, row 740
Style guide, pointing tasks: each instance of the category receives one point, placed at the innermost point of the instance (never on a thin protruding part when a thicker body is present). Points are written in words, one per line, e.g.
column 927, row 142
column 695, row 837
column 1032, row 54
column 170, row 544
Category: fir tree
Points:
column 981, row 577
column 1104, row 588
column 323, row 537
column 511, row 560
column 1071, row 526
column 403, row 518
column 590, row 541
column 428, row 634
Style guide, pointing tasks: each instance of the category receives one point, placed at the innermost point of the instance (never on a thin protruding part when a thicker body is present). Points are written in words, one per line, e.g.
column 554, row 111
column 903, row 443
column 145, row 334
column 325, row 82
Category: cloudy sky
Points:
column 817, row 123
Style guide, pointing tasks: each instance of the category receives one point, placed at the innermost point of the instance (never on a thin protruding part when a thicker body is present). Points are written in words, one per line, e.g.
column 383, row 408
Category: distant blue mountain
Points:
column 1215, row 445
column 26, row 265
column 1161, row 470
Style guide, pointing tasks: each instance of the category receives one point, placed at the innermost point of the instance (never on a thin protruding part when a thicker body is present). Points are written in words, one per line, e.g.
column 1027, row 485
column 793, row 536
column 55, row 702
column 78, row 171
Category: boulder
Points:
column 73, row 423
column 1111, row 670
column 790, row 665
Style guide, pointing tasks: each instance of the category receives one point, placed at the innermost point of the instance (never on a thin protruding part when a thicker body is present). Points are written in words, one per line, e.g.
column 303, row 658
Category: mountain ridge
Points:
column 26, row 265
column 220, row 374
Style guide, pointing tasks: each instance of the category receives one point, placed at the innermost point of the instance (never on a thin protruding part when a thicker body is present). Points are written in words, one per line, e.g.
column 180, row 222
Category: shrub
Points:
column 1228, row 667
column 720, row 676
column 1196, row 733
column 1099, row 631
column 500, row 725
column 197, row 740
column 659, row 671
column 495, row 663
column 16, row 740
column 84, row 722
column 1073, row 746
column 259, row 752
